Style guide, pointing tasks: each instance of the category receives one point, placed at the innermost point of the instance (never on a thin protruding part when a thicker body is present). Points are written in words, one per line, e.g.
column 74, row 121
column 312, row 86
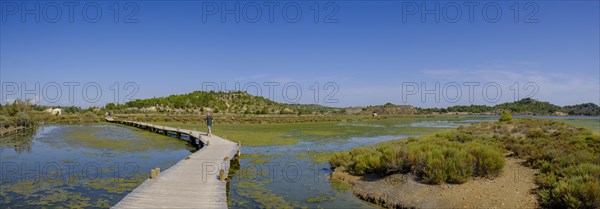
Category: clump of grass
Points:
column 323, row 197
column 258, row 158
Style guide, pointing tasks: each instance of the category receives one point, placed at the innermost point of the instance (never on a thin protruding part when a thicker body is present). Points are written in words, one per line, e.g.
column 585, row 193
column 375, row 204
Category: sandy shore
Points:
column 513, row 188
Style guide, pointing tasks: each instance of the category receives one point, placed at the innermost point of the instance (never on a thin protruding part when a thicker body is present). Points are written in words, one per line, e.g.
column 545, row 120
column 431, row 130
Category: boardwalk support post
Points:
column 222, row 175
column 154, row 173
column 239, row 152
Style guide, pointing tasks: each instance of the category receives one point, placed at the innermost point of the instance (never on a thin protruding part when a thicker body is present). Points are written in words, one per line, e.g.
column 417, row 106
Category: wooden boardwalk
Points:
column 193, row 182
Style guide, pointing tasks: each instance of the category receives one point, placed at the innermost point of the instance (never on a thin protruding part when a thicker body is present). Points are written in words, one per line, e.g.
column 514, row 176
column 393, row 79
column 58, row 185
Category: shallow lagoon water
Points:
column 290, row 174
column 296, row 175
column 91, row 166
column 441, row 123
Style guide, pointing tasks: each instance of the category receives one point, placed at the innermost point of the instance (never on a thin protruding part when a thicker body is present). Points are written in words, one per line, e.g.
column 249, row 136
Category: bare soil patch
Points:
column 513, row 188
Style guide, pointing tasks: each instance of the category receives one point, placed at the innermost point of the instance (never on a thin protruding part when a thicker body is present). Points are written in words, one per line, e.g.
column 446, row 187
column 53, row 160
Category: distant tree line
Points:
column 523, row 106
column 582, row 109
column 21, row 113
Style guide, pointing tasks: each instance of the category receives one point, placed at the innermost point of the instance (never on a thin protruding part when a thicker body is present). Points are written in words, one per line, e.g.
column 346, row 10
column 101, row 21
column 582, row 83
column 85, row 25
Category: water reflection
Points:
column 20, row 142
column 81, row 166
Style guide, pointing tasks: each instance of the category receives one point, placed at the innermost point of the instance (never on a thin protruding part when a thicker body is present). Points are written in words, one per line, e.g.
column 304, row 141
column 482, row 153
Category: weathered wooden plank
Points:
column 191, row 183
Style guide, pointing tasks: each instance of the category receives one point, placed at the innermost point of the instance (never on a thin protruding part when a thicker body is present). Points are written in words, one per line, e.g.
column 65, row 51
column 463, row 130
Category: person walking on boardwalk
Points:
column 209, row 121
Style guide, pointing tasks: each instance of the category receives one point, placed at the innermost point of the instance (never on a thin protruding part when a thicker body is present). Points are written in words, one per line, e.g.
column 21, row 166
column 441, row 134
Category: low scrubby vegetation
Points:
column 567, row 157
column 22, row 115
column 435, row 159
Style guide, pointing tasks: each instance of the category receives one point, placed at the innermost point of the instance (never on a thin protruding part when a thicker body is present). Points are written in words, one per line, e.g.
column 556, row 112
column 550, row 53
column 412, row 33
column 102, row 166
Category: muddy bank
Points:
column 513, row 188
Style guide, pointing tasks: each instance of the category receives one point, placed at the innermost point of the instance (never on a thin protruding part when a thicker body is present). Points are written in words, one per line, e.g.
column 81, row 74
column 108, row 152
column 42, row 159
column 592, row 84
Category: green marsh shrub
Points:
column 574, row 192
column 459, row 166
column 434, row 171
column 391, row 159
column 434, row 159
column 340, row 159
column 505, row 116
column 488, row 161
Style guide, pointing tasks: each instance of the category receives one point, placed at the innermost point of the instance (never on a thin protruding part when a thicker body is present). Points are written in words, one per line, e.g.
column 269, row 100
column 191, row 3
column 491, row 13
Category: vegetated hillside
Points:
column 386, row 109
column 217, row 102
column 566, row 156
column 476, row 109
column 527, row 106
column 582, row 109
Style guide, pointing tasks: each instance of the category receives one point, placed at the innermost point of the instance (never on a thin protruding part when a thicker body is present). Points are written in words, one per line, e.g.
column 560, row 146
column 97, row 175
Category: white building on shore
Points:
column 54, row 111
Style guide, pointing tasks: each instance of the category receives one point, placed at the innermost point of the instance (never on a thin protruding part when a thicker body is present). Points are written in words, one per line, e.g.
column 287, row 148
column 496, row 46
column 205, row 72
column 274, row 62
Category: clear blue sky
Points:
column 368, row 53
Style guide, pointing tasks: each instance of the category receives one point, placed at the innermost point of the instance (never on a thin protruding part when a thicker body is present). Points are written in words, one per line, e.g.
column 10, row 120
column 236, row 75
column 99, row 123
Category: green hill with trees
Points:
column 238, row 102
column 386, row 109
column 582, row 109
column 527, row 106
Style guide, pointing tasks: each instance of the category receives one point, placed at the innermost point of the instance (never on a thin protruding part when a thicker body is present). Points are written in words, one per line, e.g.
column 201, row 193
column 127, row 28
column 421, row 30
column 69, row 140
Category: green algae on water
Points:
column 131, row 140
